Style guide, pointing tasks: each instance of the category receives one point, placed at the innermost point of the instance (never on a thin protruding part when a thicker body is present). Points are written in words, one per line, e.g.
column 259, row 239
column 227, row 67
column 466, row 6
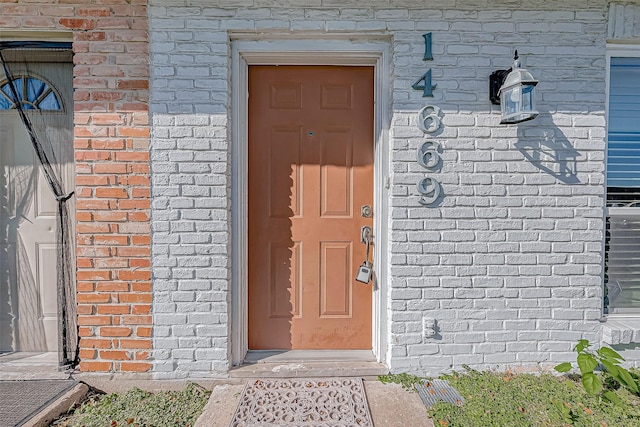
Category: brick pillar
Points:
column 111, row 77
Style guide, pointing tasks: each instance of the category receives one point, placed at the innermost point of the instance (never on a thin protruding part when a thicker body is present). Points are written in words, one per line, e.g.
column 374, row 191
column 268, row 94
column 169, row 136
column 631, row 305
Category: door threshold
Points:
column 308, row 364
column 284, row 356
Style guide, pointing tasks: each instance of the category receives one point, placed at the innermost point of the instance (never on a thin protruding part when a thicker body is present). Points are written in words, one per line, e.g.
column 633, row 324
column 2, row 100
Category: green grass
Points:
column 504, row 400
column 139, row 408
column 407, row 381
column 492, row 399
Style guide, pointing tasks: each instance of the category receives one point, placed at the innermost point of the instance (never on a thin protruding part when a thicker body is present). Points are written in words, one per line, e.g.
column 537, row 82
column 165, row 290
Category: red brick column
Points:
column 111, row 82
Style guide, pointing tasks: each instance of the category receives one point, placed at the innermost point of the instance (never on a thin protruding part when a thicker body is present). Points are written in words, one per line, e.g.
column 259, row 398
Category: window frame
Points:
column 53, row 90
column 614, row 50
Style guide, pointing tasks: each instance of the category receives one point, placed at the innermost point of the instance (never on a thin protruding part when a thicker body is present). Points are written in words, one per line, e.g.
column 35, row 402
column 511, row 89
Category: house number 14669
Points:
column 429, row 121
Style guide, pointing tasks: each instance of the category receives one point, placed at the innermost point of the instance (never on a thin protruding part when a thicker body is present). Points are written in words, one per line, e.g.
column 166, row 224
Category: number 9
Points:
column 430, row 190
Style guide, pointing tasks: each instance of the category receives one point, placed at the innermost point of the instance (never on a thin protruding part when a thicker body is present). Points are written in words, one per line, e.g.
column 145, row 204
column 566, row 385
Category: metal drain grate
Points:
column 438, row 390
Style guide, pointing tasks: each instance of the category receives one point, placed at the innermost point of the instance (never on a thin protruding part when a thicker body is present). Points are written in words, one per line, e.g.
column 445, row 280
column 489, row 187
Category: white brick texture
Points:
column 508, row 263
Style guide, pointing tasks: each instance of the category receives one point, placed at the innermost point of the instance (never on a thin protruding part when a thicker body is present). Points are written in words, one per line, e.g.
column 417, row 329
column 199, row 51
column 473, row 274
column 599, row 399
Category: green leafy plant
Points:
column 568, row 414
column 609, row 360
column 407, row 381
column 139, row 408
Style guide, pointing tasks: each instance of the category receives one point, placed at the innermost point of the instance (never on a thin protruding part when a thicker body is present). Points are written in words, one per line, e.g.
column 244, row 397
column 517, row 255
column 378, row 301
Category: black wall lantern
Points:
column 514, row 91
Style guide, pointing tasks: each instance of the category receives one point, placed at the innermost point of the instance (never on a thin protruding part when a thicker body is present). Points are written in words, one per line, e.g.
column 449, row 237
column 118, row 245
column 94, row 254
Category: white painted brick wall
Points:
column 509, row 264
column 624, row 20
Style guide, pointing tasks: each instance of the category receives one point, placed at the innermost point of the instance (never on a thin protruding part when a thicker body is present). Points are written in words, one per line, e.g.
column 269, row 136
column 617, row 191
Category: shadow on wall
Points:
column 548, row 149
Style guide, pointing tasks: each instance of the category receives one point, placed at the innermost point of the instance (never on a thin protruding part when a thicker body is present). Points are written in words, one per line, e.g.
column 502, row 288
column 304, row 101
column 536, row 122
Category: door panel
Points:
column 284, row 293
column 28, row 278
column 284, row 172
column 47, row 269
column 335, row 279
column 336, row 174
column 310, row 171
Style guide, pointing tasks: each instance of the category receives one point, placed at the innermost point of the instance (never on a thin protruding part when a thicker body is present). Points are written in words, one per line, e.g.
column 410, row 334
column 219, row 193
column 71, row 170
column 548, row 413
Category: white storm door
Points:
column 28, row 290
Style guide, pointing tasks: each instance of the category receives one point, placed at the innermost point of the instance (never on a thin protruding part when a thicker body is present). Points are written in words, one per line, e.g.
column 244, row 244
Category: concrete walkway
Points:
column 390, row 405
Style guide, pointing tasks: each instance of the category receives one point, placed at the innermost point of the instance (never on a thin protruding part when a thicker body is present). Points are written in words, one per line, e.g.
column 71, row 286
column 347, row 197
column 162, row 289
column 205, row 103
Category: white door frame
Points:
column 248, row 50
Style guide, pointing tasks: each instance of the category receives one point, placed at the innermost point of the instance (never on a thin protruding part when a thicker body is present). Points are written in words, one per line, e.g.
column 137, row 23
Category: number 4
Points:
column 427, row 87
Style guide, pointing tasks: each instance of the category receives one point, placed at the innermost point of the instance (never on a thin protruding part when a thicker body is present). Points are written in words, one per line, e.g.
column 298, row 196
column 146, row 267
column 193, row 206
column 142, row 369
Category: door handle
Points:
column 366, row 234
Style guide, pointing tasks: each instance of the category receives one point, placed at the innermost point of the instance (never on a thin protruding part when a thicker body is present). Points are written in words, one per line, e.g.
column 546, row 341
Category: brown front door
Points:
column 310, row 173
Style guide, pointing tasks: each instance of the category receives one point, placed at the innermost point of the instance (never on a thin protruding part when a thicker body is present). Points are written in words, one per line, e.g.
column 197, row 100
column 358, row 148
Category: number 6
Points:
column 429, row 119
column 428, row 156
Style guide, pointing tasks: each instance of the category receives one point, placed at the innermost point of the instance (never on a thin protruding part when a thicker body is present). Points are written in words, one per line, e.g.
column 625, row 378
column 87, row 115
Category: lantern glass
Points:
column 518, row 103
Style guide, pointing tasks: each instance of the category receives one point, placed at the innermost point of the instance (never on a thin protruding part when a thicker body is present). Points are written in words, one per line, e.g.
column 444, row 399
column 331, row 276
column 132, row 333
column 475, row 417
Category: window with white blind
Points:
column 622, row 241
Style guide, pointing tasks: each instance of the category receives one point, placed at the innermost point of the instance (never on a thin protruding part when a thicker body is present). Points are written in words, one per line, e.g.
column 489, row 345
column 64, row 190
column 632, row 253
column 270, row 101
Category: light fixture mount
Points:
column 495, row 83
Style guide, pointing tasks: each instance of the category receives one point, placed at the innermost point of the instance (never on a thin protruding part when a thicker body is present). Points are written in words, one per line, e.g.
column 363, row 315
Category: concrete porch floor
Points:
column 309, row 363
column 20, row 366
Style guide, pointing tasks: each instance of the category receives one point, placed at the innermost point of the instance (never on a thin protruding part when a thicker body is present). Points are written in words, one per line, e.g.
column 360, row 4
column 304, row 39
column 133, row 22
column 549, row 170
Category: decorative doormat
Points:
column 434, row 390
column 331, row 402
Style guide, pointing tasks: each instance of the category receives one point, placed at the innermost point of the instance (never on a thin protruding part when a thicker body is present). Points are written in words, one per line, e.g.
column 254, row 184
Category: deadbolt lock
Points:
column 366, row 211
